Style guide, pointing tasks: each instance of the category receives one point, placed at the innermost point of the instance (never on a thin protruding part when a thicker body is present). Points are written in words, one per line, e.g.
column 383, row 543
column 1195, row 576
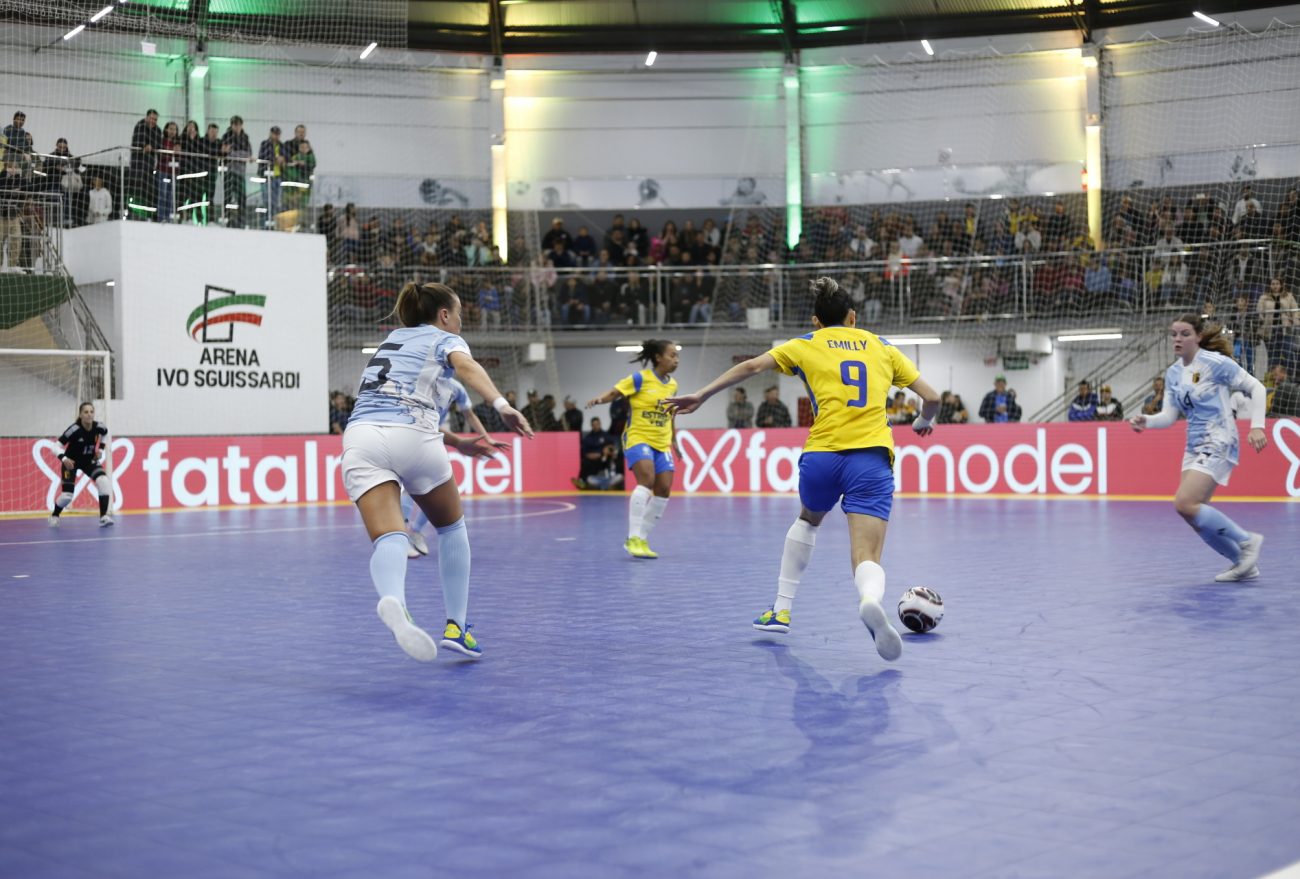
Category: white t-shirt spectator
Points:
column 1033, row 237
column 1167, row 247
column 910, row 245
column 1239, row 210
column 101, row 205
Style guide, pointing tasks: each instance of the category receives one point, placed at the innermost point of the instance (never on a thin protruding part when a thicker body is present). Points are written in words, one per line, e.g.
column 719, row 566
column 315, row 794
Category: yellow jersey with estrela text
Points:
column 649, row 422
column 848, row 373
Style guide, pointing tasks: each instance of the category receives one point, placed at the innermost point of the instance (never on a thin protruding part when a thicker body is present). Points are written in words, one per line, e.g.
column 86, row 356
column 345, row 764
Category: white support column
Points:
column 793, row 155
column 497, row 126
column 1092, row 140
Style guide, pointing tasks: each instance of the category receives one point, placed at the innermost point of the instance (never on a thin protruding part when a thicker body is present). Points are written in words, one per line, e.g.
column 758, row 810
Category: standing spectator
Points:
column 1108, row 408
column 146, row 140
column 101, row 202
column 61, row 170
column 327, row 225
column 190, row 189
column 1243, row 323
column 999, row 405
column 272, row 160
column 1028, row 239
column 237, row 150
column 620, row 411
column 1284, row 400
column 546, row 412
column 490, row 418
column 18, row 141
column 959, row 413
column 772, row 412
column 740, row 412
column 210, row 147
column 1084, row 406
column 1154, row 401
column 573, row 415
column 169, row 164
column 350, row 234
column 11, row 224
column 300, row 170
column 1278, row 317
column 299, row 136
column 1245, row 203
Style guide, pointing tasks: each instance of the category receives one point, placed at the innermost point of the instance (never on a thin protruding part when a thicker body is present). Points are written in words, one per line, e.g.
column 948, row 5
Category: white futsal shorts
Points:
column 378, row 453
column 1218, row 467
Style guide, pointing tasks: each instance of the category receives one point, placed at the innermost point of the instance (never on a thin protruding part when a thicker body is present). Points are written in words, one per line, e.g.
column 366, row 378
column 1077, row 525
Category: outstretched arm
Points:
column 472, row 418
column 686, row 403
column 608, row 397
column 476, row 377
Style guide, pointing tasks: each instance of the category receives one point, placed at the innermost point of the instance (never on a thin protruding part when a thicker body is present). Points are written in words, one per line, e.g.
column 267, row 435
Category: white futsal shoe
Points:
column 416, row 642
column 1231, row 575
column 105, row 520
column 54, row 521
column 888, row 644
column 1247, row 563
column 418, row 543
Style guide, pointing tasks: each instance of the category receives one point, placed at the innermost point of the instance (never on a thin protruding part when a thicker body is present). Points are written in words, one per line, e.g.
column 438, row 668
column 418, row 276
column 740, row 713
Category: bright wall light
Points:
column 370, row 350
column 94, row 19
column 650, row 58
column 199, row 71
column 366, row 52
column 1205, row 18
column 925, row 44
column 72, row 33
column 914, row 340
column 1088, row 337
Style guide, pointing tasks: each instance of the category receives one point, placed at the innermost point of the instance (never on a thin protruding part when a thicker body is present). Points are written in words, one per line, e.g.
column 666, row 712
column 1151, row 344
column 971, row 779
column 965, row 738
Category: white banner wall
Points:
column 223, row 331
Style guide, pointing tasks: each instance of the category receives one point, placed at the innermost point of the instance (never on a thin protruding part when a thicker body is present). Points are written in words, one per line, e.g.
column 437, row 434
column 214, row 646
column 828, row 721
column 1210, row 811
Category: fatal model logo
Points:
column 214, row 321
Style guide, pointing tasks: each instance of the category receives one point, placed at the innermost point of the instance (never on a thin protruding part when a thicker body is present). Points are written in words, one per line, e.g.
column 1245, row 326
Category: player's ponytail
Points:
column 1212, row 336
column 420, row 303
column 831, row 304
column 650, row 351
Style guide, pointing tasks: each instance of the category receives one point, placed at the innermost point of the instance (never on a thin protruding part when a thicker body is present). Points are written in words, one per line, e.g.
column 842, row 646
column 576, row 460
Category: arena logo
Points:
column 225, row 309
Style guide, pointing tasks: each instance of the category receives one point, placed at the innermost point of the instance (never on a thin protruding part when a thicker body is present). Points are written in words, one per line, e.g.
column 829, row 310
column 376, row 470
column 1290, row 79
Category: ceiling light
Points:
column 650, row 58
column 365, row 53
column 100, row 14
column 925, row 44
column 627, row 349
column 1205, row 18
column 914, row 340
column 1089, row 337
column 370, row 350
column 72, row 33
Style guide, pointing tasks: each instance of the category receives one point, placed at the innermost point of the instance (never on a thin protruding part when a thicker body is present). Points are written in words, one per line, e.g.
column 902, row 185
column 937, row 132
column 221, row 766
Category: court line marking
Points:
column 565, row 507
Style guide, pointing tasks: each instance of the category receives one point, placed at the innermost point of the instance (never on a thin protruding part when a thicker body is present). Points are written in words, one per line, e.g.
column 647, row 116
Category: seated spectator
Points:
column 489, row 416
column 947, row 408
column 593, row 451
column 555, row 234
column 959, row 413
column 1155, row 401
column 1097, row 278
column 740, row 412
column 575, row 304
column 1029, row 239
column 900, row 410
column 490, row 304
column 999, row 405
column 1284, row 401
column 772, row 412
column 339, row 412
column 1108, row 408
column 546, row 412
column 584, row 247
column 1084, row 406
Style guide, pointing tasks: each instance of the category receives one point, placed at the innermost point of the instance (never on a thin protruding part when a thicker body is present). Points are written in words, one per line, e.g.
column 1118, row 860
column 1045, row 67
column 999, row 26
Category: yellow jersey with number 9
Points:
column 848, row 373
column 649, row 422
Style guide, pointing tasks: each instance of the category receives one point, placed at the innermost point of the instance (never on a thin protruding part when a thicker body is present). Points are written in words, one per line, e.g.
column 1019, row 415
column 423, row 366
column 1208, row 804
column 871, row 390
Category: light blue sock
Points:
column 453, row 568
column 1222, row 534
column 418, row 520
column 388, row 565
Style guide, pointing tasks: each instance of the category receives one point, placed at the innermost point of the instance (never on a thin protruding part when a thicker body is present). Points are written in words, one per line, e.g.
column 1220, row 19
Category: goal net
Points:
column 44, row 389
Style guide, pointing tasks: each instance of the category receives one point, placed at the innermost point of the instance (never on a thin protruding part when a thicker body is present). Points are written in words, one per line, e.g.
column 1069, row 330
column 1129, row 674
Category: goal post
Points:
column 45, row 387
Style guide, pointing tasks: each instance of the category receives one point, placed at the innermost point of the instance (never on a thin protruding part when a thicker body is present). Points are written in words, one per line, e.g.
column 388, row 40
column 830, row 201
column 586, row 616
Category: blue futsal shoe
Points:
column 460, row 640
column 773, row 621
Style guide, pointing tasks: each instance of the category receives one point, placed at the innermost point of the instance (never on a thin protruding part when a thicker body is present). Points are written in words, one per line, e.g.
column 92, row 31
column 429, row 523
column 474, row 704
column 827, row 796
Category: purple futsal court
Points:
column 211, row 695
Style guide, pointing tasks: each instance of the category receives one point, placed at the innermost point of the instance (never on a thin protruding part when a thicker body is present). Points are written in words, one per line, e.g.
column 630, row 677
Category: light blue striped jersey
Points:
column 409, row 379
column 1202, row 392
column 459, row 399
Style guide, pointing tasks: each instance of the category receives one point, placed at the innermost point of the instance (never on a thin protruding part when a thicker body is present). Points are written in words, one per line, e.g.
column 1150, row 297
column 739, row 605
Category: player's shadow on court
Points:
column 1211, row 605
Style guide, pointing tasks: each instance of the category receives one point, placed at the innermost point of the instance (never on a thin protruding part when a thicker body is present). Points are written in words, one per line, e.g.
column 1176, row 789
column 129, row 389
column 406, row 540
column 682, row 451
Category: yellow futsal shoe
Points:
column 646, row 551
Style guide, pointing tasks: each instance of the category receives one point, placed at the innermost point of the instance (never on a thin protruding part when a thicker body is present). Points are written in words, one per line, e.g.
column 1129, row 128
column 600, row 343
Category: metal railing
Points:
column 964, row 293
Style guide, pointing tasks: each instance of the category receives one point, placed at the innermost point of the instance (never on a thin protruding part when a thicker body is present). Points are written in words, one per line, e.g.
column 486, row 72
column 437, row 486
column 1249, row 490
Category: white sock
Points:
column 636, row 510
column 654, row 510
column 869, row 577
column 799, row 543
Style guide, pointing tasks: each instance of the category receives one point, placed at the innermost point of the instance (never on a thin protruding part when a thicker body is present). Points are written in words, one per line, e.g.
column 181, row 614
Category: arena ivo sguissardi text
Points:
column 268, row 379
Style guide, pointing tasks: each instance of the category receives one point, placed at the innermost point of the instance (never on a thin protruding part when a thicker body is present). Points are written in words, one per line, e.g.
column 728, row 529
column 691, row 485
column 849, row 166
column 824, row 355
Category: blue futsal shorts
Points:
column 864, row 478
column 645, row 452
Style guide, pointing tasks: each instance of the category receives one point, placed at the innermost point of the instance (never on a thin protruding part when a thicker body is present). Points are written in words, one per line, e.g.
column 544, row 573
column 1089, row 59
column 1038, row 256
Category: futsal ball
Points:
column 920, row 608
